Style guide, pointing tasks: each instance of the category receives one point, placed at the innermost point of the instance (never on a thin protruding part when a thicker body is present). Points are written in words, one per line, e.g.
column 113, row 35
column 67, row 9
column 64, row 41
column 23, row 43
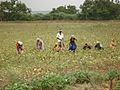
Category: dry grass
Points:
column 35, row 64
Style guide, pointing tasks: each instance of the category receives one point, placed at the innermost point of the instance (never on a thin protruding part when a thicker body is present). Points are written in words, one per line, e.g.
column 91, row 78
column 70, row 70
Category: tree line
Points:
column 90, row 10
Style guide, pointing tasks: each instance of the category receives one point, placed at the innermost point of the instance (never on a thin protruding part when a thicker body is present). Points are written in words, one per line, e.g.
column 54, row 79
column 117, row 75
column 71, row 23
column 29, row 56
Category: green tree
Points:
column 100, row 9
column 14, row 10
column 86, row 9
column 59, row 9
column 70, row 9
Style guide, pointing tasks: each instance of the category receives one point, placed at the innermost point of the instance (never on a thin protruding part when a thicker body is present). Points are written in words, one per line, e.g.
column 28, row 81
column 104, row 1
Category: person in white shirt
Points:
column 60, row 38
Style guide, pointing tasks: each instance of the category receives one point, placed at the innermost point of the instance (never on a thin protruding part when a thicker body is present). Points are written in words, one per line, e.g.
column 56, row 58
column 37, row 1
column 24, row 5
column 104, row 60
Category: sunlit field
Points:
column 32, row 63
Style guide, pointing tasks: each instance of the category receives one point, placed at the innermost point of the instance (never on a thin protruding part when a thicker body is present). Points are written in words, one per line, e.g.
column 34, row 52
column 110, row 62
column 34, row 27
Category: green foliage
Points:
column 70, row 78
column 100, row 10
column 20, row 85
column 70, row 9
column 50, row 81
column 13, row 10
column 118, row 85
column 90, row 10
column 58, row 82
column 55, row 16
column 112, row 74
column 83, row 76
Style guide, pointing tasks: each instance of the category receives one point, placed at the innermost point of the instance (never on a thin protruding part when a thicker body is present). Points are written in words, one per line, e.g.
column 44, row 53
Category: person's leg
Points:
column 18, row 51
column 73, row 50
column 60, row 45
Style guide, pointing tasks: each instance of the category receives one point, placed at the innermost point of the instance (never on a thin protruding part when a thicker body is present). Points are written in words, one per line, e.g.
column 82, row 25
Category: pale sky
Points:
column 44, row 5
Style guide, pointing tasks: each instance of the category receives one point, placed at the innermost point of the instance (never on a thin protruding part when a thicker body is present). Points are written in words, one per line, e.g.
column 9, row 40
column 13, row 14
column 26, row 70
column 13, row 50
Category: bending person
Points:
column 19, row 47
column 72, row 44
column 39, row 44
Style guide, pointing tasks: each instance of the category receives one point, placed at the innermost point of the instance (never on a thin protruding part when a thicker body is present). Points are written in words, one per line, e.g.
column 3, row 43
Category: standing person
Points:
column 72, row 44
column 39, row 44
column 98, row 46
column 60, row 38
column 113, row 44
column 19, row 47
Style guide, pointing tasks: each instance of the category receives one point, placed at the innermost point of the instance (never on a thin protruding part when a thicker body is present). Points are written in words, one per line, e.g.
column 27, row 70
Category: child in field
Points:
column 86, row 46
column 98, row 46
column 113, row 44
column 19, row 47
column 72, row 44
column 39, row 44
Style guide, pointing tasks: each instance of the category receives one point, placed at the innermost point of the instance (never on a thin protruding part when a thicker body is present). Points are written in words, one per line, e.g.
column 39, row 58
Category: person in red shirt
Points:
column 19, row 47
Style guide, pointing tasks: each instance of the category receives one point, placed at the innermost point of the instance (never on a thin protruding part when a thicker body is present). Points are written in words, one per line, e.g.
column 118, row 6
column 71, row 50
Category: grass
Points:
column 33, row 64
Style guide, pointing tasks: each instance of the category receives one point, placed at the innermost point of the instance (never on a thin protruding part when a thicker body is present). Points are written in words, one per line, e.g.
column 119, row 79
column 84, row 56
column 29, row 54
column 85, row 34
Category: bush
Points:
column 51, row 81
column 20, row 85
column 58, row 82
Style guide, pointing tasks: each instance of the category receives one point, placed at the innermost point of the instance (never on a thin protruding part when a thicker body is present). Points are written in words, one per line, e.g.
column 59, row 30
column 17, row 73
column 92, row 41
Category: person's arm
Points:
column 57, row 36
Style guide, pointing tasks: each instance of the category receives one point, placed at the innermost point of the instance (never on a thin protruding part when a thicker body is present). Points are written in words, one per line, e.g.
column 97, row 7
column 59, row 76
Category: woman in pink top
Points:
column 40, row 44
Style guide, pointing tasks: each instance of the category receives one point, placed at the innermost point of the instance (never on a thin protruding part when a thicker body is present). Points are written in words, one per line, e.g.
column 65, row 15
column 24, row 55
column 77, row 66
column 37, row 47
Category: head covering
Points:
column 38, row 39
column 98, row 42
column 113, row 40
column 60, row 30
column 72, row 36
column 19, row 42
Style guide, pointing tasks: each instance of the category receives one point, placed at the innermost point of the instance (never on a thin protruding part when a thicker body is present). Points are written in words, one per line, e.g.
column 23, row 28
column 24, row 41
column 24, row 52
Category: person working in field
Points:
column 72, row 44
column 39, row 44
column 113, row 44
column 98, row 46
column 56, row 47
column 19, row 47
column 86, row 46
column 60, row 38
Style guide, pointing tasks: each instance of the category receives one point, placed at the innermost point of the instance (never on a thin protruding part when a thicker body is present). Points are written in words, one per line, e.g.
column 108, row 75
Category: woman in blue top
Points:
column 72, row 44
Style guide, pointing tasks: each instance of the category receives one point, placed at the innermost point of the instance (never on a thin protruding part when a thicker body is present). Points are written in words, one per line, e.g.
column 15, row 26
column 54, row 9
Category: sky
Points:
column 47, row 5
